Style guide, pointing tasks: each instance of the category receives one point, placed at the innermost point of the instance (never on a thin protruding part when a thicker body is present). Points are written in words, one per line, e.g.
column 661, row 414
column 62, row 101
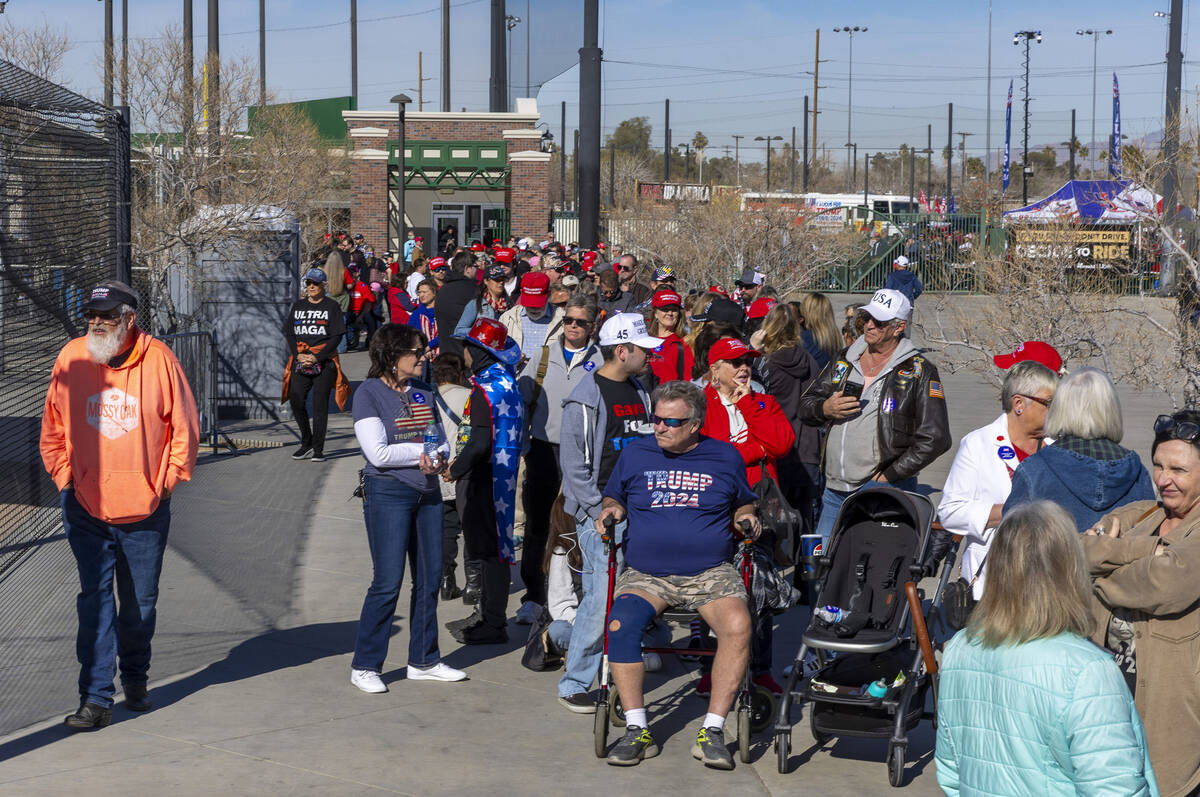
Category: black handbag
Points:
column 958, row 601
column 540, row 653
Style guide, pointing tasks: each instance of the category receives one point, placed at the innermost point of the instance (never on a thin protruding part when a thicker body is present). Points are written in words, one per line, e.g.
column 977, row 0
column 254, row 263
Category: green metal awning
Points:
column 451, row 164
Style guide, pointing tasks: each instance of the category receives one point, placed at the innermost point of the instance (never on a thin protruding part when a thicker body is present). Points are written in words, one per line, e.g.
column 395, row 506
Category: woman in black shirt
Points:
column 313, row 328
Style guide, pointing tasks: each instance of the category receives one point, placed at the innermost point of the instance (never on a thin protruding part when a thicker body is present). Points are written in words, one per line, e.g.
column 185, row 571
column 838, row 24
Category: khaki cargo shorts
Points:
column 686, row 592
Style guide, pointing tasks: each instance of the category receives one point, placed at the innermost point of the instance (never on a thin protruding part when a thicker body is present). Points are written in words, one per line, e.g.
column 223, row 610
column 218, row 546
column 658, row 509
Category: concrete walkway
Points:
column 274, row 713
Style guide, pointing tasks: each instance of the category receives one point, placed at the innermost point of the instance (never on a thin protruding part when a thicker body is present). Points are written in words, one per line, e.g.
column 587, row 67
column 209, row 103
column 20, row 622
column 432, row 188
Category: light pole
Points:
column 1027, row 36
column 768, row 139
column 401, row 100
column 510, row 22
column 1095, row 34
column 849, row 92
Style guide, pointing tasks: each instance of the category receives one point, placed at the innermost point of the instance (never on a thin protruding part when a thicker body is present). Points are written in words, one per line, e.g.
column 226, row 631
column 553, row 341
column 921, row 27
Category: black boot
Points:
column 471, row 571
column 493, row 603
column 450, row 589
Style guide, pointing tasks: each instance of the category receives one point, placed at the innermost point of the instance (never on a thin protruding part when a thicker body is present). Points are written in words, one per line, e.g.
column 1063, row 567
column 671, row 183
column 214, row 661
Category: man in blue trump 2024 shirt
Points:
column 680, row 492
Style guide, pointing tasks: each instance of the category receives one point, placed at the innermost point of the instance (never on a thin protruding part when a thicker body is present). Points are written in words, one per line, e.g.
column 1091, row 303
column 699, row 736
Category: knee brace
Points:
column 629, row 615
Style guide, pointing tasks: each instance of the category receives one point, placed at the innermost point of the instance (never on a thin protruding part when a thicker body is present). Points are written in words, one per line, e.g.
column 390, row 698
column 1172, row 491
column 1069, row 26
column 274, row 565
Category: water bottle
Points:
column 878, row 688
column 432, row 441
column 831, row 615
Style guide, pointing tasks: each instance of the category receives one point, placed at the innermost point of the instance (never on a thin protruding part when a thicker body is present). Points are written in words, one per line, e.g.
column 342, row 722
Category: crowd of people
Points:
column 521, row 398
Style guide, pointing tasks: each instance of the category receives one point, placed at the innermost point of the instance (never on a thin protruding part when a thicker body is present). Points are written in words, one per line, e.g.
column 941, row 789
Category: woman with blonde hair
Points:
column 821, row 335
column 1027, row 705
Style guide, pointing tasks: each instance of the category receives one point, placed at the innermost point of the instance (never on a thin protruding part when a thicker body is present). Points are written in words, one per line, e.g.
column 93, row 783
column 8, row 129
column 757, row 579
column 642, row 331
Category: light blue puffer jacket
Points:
column 1048, row 717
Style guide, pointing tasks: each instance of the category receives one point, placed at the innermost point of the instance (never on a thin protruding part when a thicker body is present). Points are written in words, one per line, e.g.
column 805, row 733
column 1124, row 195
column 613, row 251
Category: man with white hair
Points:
column 120, row 431
column 903, row 280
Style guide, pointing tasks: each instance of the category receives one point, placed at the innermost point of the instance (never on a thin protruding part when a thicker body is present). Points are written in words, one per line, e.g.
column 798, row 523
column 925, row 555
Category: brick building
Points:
column 482, row 173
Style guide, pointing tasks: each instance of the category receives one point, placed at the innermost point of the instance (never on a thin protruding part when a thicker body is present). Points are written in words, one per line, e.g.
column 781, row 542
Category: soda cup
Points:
column 810, row 551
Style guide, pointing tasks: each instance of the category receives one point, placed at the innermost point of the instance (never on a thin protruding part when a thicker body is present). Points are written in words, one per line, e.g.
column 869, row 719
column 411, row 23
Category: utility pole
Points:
column 612, row 175
column 949, row 151
column 1030, row 35
column 125, row 52
column 987, row 158
column 1171, row 140
column 1071, row 144
column 962, row 163
column 589, row 125
column 562, row 162
column 189, row 72
column 575, row 176
column 667, row 142
column 912, row 179
column 213, row 82
column 816, row 73
column 1095, row 34
column 262, row 53
column 354, row 55
column 420, row 82
column 446, row 60
column 928, row 162
column 792, row 163
column 854, row 161
column 737, row 157
column 108, row 53
column 866, row 178
column 528, row 26
column 850, row 101
column 498, row 93
column 804, row 168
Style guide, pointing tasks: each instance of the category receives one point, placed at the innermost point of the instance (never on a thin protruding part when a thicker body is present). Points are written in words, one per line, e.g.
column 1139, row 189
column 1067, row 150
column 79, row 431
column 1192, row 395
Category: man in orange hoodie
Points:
column 119, row 433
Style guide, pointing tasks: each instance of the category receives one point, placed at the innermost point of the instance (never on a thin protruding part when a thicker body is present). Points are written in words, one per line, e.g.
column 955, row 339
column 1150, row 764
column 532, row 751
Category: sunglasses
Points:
column 1046, row 402
column 628, row 268
column 1166, row 425
column 740, row 361
column 107, row 318
column 673, row 423
column 307, row 283
column 576, row 322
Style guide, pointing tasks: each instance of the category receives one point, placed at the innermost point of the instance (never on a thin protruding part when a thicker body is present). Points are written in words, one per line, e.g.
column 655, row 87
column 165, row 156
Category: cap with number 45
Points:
column 628, row 328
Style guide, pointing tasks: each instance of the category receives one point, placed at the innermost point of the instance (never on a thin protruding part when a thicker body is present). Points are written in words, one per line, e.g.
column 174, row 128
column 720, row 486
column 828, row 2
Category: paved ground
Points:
column 271, row 711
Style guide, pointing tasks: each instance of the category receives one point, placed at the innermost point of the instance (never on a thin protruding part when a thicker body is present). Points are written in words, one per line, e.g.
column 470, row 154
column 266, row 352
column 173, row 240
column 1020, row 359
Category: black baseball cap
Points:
column 108, row 296
column 721, row 310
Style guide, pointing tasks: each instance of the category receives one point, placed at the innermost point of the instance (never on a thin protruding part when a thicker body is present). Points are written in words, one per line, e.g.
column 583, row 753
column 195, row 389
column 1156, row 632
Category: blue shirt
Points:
column 404, row 420
column 680, row 506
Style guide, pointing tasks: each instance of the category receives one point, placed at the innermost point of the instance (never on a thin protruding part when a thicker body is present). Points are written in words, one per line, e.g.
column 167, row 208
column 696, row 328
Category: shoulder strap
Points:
column 441, row 402
column 543, row 365
column 679, row 360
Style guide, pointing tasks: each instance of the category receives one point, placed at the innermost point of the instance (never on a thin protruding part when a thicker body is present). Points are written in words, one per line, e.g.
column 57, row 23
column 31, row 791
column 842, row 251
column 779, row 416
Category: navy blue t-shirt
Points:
column 679, row 505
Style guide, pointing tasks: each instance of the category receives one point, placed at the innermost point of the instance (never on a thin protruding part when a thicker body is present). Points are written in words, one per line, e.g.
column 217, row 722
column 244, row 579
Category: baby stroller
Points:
column 870, row 680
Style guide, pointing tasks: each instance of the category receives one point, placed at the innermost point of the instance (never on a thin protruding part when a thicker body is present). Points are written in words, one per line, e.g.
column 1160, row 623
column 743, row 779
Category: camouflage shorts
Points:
column 686, row 592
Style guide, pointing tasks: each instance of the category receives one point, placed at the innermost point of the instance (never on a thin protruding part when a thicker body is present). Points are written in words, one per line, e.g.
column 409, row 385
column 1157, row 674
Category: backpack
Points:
column 540, row 653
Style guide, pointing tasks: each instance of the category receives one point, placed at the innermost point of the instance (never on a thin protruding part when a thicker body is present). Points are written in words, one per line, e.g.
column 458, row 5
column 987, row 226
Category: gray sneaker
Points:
column 710, row 748
column 578, row 703
column 636, row 744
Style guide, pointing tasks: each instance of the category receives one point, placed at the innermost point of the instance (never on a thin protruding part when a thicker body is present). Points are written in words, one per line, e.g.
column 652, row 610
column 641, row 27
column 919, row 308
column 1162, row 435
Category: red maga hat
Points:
column 1034, row 350
column 436, row 263
column 477, row 247
column 760, row 307
column 535, row 289
column 730, row 349
column 505, row 255
column 666, row 299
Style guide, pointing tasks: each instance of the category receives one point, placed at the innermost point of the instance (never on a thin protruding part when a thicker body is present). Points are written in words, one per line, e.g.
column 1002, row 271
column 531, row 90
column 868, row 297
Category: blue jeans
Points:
column 401, row 522
column 559, row 632
column 111, row 627
column 587, row 636
column 832, row 500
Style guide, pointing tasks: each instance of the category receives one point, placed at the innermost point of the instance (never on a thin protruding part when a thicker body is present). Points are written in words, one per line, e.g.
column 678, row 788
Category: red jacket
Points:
column 360, row 295
column 769, row 435
column 665, row 360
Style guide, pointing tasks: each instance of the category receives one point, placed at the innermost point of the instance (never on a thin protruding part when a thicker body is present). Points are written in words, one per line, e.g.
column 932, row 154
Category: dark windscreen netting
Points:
column 64, row 193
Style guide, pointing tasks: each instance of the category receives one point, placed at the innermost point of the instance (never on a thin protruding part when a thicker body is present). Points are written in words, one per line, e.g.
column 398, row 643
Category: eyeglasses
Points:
column 673, row 423
column 110, row 318
column 576, row 322
column 1167, row 425
column 1046, row 402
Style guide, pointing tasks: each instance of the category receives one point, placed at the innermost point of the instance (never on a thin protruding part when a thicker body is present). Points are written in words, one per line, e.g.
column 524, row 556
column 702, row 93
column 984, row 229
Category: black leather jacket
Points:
column 914, row 433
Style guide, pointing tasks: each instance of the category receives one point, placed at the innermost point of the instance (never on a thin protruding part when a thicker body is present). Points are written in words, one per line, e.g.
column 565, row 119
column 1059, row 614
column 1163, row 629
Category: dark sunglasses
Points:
column 1167, row 426
column 576, row 322
column 96, row 315
column 674, row 423
column 740, row 361
column 307, row 283
column 1044, row 402
column 628, row 268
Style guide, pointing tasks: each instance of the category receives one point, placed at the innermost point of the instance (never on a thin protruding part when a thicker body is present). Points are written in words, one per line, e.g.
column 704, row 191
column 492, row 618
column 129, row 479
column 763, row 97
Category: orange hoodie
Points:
column 124, row 436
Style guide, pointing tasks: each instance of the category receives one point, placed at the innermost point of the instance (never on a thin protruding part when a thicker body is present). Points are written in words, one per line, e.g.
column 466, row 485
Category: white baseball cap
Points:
column 901, row 261
column 628, row 328
column 888, row 305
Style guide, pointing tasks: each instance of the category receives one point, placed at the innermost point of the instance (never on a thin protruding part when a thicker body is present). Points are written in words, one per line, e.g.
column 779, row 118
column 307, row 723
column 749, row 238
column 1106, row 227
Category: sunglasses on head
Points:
column 576, row 322
column 673, row 423
column 1167, row 426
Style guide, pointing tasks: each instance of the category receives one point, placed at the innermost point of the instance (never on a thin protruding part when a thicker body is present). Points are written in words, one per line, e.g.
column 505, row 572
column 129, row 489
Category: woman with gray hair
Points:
column 988, row 458
column 1027, row 705
column 1086, row 471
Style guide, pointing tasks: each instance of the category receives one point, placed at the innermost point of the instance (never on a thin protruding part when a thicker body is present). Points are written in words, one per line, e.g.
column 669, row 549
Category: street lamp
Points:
column 1027, row 36
column 1095, row 34
column 768, row 139
column 401, row 100
column 849, row 91
column 510, row 22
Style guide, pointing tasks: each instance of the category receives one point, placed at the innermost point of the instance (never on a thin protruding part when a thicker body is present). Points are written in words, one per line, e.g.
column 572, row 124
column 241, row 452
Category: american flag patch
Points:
column 935, row 390
column 411, row 426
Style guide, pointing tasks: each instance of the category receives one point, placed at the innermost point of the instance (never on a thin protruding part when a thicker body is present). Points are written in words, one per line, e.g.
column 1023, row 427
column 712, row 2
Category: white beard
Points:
column 102, row 348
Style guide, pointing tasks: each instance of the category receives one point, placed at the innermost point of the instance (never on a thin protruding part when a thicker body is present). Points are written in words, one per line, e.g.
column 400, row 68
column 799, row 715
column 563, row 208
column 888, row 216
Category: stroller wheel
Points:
column 616, row 712
column 600, row 728
column 762, row 708
column 743, row 732
column 895, row 764
column 783, row 748
column 818, row 736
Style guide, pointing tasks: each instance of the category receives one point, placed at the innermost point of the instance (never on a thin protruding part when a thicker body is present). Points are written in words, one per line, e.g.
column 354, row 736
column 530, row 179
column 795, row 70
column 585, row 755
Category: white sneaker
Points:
column 528, row 612
column 368, row 681
column 652, row 661
column 438, row 672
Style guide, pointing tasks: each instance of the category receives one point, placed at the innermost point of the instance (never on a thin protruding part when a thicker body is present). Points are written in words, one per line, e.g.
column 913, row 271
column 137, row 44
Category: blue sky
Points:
column 728, row 68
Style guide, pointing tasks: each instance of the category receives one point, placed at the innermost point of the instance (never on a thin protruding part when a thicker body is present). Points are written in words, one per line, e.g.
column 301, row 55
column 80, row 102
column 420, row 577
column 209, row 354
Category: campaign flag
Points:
column 950, row 205
column 1114, row 155
column 924, row 202
column 1007, row 136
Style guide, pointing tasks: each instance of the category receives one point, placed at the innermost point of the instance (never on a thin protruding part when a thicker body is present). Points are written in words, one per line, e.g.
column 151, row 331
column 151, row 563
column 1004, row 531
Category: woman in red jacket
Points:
column 673, row 359
column 756, row 426
column 753, row 422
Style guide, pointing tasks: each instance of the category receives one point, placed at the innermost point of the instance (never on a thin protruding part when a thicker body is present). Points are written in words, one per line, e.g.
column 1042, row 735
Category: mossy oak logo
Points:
column 112, row 412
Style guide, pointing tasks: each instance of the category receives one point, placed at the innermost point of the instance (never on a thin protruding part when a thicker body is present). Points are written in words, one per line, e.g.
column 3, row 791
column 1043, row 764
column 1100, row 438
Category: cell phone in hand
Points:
column 853, row 389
